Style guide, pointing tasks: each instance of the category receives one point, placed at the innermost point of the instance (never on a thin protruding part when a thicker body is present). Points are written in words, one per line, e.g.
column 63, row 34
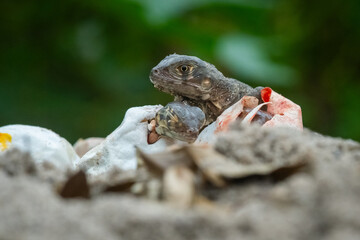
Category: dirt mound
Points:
column 318, row 200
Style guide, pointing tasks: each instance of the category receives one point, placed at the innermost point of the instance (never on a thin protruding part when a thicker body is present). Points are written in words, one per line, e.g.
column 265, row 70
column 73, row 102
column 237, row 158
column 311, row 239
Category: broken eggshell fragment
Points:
column 284, row 112
column 43, row 145
column 118, row 148
column 233, row 112
column 82, row 146
column 208, row 135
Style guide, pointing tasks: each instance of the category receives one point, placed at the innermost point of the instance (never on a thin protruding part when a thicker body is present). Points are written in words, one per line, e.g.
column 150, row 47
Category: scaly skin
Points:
column 197, row 83
column 180, row 121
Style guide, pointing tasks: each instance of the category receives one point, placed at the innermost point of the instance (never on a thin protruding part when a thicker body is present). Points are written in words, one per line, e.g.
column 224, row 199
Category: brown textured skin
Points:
column 198, row 83
column 180, row 121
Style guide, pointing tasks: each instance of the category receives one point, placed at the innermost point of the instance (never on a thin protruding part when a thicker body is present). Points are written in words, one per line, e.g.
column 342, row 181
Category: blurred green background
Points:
column 76, row 66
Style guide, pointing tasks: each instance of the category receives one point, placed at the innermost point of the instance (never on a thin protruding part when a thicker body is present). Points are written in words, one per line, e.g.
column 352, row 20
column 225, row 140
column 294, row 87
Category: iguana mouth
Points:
column 172, row 85
column 165, row 80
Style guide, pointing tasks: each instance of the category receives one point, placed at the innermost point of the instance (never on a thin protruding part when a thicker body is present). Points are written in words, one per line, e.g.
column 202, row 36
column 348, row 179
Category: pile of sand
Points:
column 318, row 201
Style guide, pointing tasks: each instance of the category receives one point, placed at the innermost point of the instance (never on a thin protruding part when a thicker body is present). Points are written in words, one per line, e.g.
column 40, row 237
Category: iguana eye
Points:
column 185, row 68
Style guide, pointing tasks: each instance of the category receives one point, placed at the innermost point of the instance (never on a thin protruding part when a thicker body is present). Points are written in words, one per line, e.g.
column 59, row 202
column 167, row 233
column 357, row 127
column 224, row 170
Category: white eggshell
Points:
column 42, row 144
column 207, row 135
column 118, row 149
column 82, row 146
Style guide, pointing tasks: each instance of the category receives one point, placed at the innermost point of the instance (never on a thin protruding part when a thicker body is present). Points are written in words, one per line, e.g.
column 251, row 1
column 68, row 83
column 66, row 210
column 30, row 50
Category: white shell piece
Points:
column 118, row 149
column 42, row 144
column 207, row 135
column 82, row 146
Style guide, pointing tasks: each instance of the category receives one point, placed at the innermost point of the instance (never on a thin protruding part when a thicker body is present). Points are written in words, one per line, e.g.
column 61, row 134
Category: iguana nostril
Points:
column 156, row 71
column 191, row 131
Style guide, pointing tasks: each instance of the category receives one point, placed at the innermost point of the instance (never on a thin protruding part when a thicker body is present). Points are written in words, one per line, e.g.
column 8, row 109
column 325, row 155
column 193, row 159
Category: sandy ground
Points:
column 317, row 201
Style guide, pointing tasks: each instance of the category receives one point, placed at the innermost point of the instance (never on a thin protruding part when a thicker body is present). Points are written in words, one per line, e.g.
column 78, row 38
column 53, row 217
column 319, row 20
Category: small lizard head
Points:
column 185, row 76
column 180, row 121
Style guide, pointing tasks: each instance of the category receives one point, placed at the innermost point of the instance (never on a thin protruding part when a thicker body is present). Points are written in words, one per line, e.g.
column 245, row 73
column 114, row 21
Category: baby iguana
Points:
column 197, row 83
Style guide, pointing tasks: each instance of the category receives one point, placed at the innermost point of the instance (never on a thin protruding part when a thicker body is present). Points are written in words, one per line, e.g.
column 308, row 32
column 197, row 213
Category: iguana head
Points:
column 185, row 76
column 180, row 121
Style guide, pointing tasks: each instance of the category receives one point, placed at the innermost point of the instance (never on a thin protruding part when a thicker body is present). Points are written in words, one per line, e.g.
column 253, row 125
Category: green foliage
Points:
column 76, row 66
column 248, row 57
